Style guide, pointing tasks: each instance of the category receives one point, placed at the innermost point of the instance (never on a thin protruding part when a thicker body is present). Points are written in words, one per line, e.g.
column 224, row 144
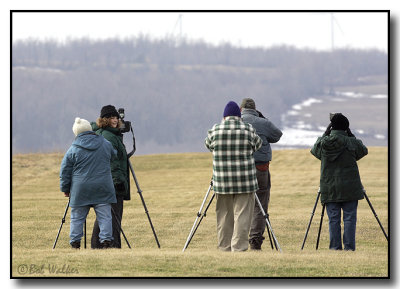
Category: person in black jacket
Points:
column 108, row 125
column 340, row 182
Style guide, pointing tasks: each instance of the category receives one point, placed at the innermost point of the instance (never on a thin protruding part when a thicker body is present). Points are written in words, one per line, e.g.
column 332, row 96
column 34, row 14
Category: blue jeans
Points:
column 103, row 215
column 349, row 220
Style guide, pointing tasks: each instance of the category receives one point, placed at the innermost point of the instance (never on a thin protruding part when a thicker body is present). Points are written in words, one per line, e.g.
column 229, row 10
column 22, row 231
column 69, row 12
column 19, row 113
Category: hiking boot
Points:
column 255, row 244
column 105, row 245
column 255, row 247
column 76, row 245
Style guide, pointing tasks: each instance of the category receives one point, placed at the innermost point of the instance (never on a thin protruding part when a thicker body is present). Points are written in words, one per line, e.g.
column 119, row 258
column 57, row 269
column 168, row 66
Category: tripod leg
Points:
column 312, row 215
column 119, row 227
column 268, row 223
column 198, row 216
column 62, row 222
column 320, row 225
column 270, row 239
column 269, row 233
column 376, row 216
column 148, row 217
column 84, row 232
column 144, row 204
column 198, row 224
column 273, row 240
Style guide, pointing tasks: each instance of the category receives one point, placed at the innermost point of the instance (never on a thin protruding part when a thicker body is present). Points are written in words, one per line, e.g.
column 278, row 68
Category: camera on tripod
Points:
column 331, row 114
column 126, row 125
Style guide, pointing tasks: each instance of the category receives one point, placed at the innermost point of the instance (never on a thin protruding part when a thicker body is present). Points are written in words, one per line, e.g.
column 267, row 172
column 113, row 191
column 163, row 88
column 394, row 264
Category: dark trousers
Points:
column 118, row 209
column 349, row 221
column 258, row 222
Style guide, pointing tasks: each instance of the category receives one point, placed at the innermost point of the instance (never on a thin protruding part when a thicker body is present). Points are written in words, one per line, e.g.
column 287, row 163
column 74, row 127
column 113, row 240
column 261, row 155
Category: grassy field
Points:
column 174, row 186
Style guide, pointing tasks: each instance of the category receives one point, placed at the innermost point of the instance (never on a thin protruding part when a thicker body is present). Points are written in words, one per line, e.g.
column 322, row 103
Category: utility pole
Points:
column 178, row 23
column 332, row 31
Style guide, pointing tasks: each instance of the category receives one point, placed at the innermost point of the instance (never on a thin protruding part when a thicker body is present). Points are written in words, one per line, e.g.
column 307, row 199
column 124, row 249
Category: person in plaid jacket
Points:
column 233, row 143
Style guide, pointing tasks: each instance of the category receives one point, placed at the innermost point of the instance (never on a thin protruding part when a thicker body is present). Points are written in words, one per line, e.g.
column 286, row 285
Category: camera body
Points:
column 126, row 125
column 328, row 130
column 331, row 114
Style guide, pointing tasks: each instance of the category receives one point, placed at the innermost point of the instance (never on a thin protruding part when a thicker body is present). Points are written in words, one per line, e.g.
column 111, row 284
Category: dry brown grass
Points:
column 174, row 186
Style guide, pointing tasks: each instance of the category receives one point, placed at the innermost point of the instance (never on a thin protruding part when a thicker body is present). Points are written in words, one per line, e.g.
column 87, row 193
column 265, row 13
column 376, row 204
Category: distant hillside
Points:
column 174, row 93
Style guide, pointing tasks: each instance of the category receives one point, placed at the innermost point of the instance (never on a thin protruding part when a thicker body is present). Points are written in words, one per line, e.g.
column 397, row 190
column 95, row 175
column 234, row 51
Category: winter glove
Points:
column 328, row 130
column 349, row 133
column 260, row 114
column 119, row 187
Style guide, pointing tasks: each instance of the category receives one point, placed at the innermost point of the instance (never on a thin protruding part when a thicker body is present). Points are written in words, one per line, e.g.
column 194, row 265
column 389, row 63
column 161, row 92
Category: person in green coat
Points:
column 340, row 182
column 108, row 125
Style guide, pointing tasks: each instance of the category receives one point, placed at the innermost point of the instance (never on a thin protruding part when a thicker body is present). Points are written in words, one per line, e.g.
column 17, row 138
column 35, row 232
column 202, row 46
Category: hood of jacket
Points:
column 96, row 128
column 334, row 144
column 94, row 125
column 88, row 140
column 250, row 111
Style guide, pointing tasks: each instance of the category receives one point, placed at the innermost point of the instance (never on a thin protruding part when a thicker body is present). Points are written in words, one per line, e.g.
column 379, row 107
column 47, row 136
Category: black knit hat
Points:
column 109, row 111
column 339, row 122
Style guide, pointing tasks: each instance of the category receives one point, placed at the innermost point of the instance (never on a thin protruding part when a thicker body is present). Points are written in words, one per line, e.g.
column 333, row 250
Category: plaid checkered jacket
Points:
column 233, row 143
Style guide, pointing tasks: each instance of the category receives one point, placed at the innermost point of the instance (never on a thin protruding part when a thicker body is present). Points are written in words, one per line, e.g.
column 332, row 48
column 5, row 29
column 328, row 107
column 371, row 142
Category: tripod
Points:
column 322, row 216
column 268, row 225
column 144, row 204
column 84, row 227
column 200, row 215
column 139, row 191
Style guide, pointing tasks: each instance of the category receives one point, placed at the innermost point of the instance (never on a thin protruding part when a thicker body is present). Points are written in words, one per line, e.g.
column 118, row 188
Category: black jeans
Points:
column 118, row 209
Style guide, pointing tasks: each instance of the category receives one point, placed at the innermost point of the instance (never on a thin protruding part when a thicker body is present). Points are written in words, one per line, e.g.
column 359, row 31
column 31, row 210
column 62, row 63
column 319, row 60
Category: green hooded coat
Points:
column 340, row 179
column 119, row 163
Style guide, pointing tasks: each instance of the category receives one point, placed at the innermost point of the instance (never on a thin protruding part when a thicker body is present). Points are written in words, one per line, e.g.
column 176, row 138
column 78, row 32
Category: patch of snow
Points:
column 292, row 112
column 307, row 102
column 293, row 137
column 336, row 99
column 352, row 94
column 379, row 96
column 311, row 101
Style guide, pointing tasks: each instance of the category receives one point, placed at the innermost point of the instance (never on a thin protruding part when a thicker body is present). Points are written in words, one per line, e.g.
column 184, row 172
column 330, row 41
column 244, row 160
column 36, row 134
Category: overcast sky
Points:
column 304, row 30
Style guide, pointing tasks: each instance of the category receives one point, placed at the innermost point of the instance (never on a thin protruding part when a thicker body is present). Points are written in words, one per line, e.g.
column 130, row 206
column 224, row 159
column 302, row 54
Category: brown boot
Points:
column 76, row 245
column 105, row 245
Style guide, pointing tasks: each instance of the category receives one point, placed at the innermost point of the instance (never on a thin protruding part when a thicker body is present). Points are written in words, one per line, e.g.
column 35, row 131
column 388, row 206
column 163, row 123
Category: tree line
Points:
column 172, row 92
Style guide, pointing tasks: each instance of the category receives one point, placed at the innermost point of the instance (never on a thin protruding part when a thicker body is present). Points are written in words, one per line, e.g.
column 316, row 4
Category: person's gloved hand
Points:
column 260, row 114
column 119, row 187
column 349, row 133
column 328, row 130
